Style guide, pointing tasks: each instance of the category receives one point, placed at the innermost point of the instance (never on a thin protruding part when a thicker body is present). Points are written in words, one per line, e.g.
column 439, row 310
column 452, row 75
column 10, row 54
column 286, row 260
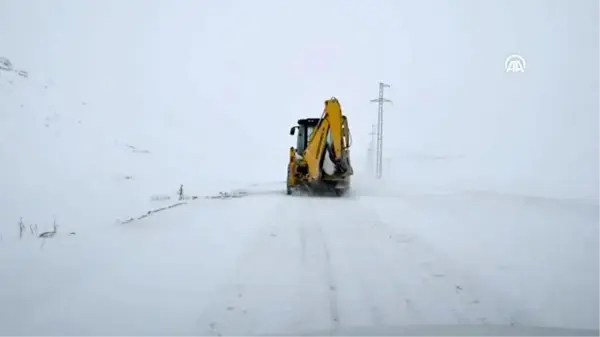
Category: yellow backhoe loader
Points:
column 320, row 163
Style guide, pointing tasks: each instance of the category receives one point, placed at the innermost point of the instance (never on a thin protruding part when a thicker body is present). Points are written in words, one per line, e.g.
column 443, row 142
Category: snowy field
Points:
column 262, row 264
column 488, row 214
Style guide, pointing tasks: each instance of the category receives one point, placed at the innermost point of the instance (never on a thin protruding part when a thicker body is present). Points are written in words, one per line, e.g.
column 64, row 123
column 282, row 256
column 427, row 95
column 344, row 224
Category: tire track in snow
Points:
column 411, row 279
column 281, row 282
column 451, row 285
column 316, row 261
column 324, row 264
column 329, row 272
column 366, row 288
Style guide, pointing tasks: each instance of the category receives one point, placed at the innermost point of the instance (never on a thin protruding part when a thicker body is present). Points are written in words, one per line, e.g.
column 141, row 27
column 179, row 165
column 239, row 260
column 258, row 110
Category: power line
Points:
column 379, row 150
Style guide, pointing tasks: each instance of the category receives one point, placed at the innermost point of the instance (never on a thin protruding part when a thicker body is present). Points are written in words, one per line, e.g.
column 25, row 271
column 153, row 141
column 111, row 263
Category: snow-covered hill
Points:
column 58, row 150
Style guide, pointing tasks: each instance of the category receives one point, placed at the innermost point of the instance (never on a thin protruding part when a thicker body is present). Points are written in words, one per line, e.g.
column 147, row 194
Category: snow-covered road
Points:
column 339, row 265
column 273, row 264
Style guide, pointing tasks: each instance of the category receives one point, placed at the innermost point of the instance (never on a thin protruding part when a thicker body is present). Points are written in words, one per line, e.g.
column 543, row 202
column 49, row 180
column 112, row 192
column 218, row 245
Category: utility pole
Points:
column 370, row 158
column 379, row 152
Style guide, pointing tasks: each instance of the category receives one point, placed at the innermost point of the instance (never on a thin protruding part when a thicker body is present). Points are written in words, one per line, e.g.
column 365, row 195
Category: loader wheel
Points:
column 340, row 192
column 287, row 182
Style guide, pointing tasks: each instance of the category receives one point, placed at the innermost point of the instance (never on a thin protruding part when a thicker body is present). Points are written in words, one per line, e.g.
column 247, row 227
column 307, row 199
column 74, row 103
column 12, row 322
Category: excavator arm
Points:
column 331, row 137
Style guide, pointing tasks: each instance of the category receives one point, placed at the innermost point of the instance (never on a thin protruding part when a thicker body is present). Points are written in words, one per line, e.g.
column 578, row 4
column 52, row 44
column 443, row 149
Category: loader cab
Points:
column 303, row 131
